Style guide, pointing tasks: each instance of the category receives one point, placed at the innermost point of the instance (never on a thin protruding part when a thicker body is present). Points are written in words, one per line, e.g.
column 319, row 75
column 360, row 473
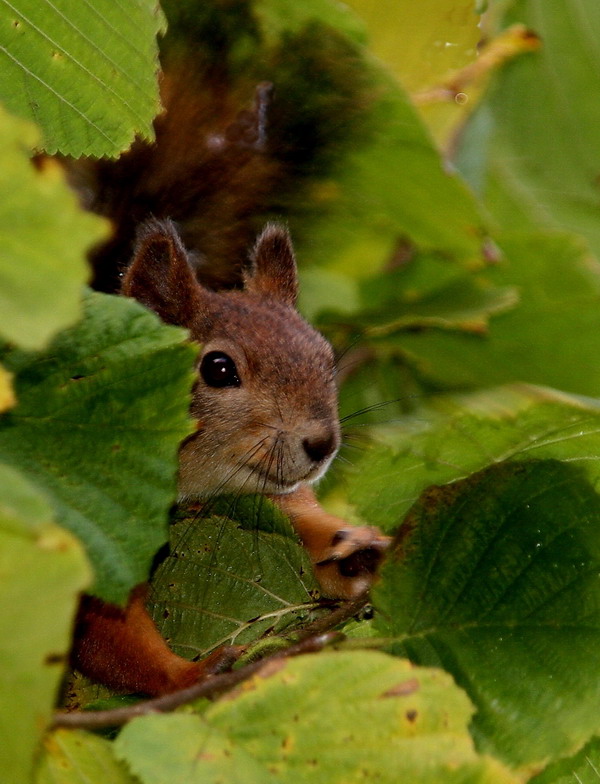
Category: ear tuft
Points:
column 273, row 273
column 160, row 275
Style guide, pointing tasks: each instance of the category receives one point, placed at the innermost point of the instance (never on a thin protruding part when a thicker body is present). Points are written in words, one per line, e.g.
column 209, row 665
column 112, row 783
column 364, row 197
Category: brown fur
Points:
column 121, row 648
column 250, row 438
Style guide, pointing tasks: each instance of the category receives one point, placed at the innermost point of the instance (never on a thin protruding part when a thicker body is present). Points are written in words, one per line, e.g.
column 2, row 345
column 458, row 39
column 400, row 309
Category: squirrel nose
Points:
column 319, row 447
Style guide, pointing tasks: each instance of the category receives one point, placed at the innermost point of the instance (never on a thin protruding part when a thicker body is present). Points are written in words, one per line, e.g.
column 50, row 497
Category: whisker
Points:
column 360, row 445
column 348, row 428
column 346, row 350
column 241, row 464
column 207, row 503
column 376, row 407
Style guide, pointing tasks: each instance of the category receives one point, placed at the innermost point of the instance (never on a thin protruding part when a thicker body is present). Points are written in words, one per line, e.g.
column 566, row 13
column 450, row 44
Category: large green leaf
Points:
column 551, row 338
column 529, row 151
column 516, row 423
column 534, row 142
column 424, row 46
column 85, row 73
column 233, row 574
column 42, row 571
column 464, row 304
column 99, row 419
column 336, row 717
column 497, row 579
column 43, row 235
column 75, row 757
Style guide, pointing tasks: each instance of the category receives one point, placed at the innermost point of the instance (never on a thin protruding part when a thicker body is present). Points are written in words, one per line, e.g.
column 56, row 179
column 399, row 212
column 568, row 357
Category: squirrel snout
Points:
column 320, row 447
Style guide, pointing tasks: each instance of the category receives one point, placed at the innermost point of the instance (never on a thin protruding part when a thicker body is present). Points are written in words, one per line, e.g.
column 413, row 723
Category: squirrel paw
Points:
column 346, row 567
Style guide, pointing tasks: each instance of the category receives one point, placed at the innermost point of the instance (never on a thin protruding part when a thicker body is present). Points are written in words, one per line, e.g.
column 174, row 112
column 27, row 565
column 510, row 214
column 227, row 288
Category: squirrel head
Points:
column 265, row 399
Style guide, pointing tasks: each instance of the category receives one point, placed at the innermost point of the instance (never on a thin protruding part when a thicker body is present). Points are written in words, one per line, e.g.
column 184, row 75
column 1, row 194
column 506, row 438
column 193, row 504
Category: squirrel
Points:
column 265, row 398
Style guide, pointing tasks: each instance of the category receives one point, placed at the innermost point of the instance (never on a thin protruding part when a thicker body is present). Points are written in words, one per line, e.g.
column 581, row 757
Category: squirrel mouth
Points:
column 275, row 484
column 276, row 481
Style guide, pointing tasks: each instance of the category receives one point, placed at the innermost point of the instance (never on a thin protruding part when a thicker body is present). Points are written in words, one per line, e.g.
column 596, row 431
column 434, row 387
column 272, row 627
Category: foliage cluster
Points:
column 450, row 252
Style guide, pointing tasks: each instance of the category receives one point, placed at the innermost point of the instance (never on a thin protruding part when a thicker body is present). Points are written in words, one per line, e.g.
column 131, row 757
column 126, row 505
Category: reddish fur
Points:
column 121, row 648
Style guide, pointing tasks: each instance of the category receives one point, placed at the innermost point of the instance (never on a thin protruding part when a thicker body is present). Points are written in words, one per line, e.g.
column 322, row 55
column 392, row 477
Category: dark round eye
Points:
column 219, row 370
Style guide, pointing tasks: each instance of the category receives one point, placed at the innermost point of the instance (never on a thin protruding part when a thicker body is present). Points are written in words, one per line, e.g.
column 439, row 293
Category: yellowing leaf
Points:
column 44, row 235
column 74, row 757
column 331, row 718
column 42, row 571
column 7, row 395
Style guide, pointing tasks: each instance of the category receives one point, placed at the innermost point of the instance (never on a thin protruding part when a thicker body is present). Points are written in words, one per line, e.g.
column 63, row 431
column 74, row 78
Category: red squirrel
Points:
column 265, row 403
column 265, row 398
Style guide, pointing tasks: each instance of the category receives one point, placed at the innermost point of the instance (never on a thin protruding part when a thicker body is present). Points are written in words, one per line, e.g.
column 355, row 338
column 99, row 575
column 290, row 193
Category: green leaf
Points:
column 180, row 749
column 278, row 17
column 84, row 73
column 233, row 574
column 99, row 420
column 463, row 305
column 464, row 436
column 76, row 757
column 420, row 293
column 366, row 207
column 44, row 235
column 369, row 207
column 335, row 717
column 533, row 144
column 23, row 508
column 42, row 571
column 323, row 290
column 559, row 288
column 496, row 578
column 529, row 152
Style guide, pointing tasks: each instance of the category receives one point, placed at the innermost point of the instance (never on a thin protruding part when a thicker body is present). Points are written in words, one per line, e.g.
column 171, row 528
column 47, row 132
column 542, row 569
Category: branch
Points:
column 312, row 639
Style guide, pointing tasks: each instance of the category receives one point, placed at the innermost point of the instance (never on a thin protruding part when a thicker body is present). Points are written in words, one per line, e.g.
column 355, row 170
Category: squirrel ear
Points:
column 273, row 273
column 160, row 275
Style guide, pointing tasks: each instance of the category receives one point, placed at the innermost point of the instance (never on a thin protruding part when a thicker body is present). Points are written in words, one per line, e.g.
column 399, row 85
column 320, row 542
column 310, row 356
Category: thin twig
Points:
column 343, row 613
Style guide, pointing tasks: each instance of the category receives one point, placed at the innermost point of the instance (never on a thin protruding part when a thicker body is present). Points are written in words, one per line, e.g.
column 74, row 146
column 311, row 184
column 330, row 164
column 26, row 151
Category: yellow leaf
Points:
column 7, row 395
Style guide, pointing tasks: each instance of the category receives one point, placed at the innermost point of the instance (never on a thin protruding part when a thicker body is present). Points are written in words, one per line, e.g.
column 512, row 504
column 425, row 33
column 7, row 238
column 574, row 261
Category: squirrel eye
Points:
column 219, row 370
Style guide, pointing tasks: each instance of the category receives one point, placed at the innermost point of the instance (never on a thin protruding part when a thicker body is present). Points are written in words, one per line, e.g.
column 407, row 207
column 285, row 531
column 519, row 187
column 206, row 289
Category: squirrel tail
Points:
column 242, row 138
